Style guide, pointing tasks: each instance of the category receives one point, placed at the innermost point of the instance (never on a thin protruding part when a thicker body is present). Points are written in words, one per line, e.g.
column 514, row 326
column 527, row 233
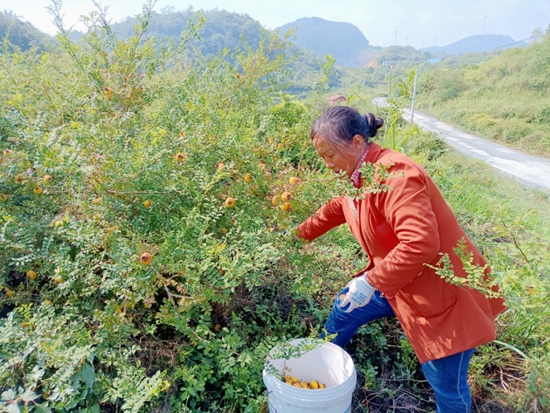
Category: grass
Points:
column 503, row 99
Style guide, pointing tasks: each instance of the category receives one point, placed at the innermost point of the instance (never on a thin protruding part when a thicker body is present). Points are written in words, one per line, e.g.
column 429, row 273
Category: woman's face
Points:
column 340, row 158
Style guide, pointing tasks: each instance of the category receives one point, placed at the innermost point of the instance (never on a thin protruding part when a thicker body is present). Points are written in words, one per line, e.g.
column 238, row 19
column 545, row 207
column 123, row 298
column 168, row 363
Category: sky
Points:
column 418, row 23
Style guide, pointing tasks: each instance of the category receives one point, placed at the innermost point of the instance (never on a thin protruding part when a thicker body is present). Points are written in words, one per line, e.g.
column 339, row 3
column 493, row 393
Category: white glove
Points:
column 359, row 293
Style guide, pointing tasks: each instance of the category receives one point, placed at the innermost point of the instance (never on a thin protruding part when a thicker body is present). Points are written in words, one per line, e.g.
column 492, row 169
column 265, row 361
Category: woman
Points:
column 404, row 225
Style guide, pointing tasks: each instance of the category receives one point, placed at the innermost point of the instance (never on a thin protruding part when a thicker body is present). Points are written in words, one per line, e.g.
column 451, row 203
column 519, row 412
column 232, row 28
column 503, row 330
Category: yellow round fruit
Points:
column 286, row 196
column 9, row 292
column 179, row 157
column 147, row 204
column 230, row 202
column 147, row 304
column 7, row 152
column 146, row 258
column 3, row 197
column 224, row 230
column 108, row 93
column 47, row 302
column 220, row 166
column 47, row 178
column 37, row 190
column 294, row 180
column 275, row 200
column 248, row 177
column 18, row 178
column 280, row 146
column 31, row 275
column 314, row 384
column 58, row 280
column 286, row 206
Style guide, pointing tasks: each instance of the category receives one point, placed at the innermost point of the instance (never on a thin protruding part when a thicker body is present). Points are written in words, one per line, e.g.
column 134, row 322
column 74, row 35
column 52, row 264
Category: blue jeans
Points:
column 447, row 376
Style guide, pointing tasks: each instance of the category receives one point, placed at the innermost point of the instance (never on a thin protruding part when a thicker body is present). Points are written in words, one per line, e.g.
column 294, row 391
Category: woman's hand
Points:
column 359, row 293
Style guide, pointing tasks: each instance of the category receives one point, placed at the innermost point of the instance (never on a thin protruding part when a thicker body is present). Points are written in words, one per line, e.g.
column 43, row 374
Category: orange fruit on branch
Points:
column 230, row 202
column 286, row 196
column 286, row 206
column 146, row 258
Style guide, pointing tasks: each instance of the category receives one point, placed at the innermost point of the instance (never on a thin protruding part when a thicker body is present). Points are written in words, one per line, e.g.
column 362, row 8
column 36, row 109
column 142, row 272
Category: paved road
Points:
column 531, row 171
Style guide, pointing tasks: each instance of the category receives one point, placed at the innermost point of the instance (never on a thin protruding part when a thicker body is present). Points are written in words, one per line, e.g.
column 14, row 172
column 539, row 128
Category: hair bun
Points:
column 373, row 123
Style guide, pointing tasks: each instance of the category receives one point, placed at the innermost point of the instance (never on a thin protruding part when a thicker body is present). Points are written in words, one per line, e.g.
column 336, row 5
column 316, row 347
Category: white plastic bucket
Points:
column 328, row 364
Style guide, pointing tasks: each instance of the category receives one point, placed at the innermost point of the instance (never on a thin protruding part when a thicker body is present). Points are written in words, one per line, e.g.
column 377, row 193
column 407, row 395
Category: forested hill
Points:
column 20, row 33
column 477, row 44
column 222, row 29
column 343, row 41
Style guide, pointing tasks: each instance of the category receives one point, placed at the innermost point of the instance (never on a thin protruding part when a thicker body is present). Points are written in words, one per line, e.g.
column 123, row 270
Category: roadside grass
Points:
column 517, row 120
column 503, row 99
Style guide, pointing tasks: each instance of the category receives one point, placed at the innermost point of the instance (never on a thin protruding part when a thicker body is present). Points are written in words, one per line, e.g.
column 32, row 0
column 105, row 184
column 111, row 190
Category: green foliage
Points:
column 112, row 149
column 477, row 277
column 402, row 53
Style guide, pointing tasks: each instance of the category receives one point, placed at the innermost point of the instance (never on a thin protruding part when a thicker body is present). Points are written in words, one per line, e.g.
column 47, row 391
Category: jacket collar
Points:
column 370, row 155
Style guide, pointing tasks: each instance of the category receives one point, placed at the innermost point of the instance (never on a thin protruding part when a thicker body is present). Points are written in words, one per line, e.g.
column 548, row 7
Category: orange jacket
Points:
column 401, row 230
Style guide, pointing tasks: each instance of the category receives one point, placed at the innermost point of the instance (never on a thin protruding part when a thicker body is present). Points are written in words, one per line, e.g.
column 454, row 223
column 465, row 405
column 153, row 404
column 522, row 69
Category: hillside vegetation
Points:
column 147, row 257
column 20, row 33
column 505, row 98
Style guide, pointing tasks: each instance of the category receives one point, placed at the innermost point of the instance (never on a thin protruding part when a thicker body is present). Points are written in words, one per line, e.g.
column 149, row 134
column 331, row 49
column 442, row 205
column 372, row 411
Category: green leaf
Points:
column 87, row 374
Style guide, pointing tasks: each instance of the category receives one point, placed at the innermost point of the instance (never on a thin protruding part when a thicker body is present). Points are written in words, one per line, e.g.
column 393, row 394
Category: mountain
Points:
column 20, row 33
column 479, row 44
column 344, row 41
column 222, row 29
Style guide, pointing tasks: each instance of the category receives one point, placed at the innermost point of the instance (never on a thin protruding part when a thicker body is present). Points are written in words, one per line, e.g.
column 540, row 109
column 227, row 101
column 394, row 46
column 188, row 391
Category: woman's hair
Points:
column 340, row 124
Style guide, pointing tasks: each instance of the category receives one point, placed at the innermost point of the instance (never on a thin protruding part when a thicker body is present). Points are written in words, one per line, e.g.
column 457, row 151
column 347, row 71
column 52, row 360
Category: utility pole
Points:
column 414, row 94
column 415, row 80
column 484, row 21
column 395, row 33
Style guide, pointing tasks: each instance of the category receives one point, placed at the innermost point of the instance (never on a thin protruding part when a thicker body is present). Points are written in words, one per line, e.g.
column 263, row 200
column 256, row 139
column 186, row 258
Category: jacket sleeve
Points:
column 408, row 211
column 327, row 217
